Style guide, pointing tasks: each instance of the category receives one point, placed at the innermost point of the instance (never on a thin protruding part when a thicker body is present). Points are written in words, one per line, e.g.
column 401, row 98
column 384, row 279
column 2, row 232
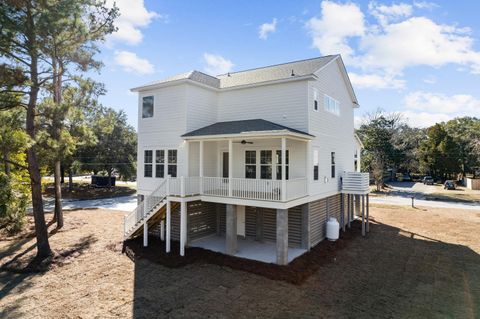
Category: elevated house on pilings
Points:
column 249, row 163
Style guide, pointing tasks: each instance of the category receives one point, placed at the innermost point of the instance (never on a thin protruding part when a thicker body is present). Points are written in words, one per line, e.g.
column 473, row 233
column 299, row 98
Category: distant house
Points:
column 248, row 161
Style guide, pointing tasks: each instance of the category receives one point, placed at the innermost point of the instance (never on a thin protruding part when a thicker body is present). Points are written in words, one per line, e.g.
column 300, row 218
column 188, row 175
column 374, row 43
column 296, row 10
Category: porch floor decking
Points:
column 247, row 248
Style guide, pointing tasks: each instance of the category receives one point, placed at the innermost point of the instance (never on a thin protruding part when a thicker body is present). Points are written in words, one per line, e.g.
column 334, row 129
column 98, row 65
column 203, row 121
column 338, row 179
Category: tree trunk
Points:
column 58, row 216
column 41, row 231
column 70, row 179
column 109, row 178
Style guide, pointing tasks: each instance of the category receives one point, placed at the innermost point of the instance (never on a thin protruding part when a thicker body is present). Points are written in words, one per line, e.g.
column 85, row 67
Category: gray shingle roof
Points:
column 239, row 127
column 253, row 76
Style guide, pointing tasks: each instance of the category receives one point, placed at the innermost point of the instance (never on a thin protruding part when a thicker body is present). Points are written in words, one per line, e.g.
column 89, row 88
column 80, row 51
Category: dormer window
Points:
column 147, row 107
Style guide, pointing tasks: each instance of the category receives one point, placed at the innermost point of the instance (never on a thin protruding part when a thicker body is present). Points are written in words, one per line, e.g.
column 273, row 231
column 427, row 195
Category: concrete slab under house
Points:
column 251, row 164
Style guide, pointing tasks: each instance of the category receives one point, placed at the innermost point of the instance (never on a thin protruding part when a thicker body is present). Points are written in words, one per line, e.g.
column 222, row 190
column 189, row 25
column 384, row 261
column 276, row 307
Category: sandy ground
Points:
column 415, row 263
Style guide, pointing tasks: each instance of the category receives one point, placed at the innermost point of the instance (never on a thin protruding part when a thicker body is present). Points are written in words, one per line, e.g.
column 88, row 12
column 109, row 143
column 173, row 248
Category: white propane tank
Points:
column 333, row 229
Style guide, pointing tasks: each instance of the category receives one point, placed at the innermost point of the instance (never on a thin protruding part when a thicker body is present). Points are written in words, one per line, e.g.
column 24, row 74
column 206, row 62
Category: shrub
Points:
column 13, row 204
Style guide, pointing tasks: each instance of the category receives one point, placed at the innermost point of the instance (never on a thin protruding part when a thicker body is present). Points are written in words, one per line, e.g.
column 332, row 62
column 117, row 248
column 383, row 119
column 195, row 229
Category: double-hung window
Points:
column 147, row 160
column 315, row 100
column 279, row 164
column 147, row 106
column 332, row 160
column 250, row 164
column 266, row 164
column 160, row 163
column 172, row 163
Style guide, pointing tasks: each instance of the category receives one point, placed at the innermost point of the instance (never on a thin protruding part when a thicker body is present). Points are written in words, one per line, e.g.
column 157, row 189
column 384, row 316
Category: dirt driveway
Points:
column 416, row 263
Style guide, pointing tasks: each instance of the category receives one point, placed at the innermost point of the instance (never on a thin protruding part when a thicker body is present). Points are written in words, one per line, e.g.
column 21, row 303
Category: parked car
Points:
column 449, row 185
column 428, row 180
column 406, row 178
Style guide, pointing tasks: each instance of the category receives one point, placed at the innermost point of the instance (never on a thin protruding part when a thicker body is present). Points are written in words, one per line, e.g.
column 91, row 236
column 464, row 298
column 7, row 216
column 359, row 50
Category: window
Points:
column 315, row 100
column 315, row 165
column 147, row 107
column 172, row 163
column 332, row 160
column 147, row 160
column 250, row 164
column 266, row 164
column 279, row 164
column 160, row 163
column 331, row 105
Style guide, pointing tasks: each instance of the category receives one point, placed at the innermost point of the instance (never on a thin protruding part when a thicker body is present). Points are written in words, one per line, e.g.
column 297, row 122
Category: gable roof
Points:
column 254, row 126
column 296, row 70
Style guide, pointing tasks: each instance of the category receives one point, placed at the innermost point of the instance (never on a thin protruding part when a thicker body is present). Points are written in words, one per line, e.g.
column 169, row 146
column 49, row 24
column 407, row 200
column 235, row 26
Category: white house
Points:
column 250, row 161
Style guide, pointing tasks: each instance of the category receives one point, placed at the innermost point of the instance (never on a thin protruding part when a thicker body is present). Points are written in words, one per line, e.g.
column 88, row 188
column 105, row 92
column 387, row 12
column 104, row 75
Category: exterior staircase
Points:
column 150, row 210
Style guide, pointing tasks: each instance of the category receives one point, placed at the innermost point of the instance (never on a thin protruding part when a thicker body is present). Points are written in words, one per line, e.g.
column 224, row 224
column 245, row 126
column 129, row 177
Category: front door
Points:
column 225, row 165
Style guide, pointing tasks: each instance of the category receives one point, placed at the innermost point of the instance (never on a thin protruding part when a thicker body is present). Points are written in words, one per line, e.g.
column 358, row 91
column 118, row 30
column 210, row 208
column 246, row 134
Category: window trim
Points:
column 172, row 164
column 336, row 107
column 149, row 163
column 274, row 164
column 159, row 163
column 254, row 165
column 315, row 100
column 333, row 172
column 315, row 165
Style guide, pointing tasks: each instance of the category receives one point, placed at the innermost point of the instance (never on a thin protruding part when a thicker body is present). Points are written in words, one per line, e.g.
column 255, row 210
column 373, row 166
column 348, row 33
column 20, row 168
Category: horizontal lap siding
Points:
column 318, row 213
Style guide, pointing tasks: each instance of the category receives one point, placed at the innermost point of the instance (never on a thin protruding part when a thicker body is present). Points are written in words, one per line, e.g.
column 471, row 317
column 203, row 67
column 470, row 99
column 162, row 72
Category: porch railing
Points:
column 244, row 188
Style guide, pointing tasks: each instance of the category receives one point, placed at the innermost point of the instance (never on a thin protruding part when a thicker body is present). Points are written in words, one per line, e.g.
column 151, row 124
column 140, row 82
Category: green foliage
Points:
column 13, row 203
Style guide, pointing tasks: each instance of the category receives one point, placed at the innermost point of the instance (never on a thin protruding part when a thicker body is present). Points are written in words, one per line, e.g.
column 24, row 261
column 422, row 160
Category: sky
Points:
column 419, row 58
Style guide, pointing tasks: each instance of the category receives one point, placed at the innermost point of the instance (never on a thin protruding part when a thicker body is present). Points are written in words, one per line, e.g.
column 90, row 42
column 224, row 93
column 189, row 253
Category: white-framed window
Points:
column 172, row 163
column 148, row 166
column 160, row 163
column 250, row 164
column 279, row 164
column 266, row 162
column 315, row 165
column 315, row 100
column 332, row 162
column 331, row 105
column 147, row 106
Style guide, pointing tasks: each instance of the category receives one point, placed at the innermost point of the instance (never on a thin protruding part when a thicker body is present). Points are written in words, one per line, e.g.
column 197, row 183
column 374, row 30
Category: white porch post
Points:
column 230, row 168
column 169, row 222
column 309, row 165
column 183, row 227
column 201, row 167
column 284, row 171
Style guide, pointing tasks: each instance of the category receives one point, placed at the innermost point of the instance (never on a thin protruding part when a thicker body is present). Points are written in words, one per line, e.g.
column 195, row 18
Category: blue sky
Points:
column 420, row 58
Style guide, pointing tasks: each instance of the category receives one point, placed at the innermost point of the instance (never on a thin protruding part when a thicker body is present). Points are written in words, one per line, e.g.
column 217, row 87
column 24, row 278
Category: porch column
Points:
column 200, row 170
column 230, row 168
column 169, row 222
column 183, row 227
column 284, row 171
column 282, row 236
column 309, row 165
column 231, row 230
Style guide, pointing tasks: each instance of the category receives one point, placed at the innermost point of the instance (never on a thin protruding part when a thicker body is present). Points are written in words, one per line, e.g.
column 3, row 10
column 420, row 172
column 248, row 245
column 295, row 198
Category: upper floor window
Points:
column 266, row 164
column 331, row 105
column 332, row 159
column 315, row 100
column 250, row 164
column 147, row 106
column 279, row 164
column 147, row 160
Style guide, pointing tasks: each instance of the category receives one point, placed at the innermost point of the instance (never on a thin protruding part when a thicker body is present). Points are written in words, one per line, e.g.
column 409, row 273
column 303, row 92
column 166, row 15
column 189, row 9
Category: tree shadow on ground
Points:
column 391, row 273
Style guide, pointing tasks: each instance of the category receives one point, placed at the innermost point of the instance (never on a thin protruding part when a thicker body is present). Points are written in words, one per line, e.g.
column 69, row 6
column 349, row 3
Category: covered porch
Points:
column 244, row 160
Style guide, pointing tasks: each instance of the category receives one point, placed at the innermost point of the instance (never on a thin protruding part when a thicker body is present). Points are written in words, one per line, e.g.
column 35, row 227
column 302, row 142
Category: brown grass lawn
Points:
column 461, row 194
column 415, row 263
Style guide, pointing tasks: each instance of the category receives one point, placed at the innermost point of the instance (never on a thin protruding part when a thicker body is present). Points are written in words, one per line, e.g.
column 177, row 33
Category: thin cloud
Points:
column 265, row 29
column 131, row 63
column 216, row 64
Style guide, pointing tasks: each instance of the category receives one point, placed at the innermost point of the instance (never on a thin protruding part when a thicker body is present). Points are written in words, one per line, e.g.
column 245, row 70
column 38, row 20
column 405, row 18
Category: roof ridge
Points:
column 273, row 65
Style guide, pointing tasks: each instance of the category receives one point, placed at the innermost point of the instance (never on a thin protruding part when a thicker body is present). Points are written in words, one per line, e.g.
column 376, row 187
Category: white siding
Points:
column 332, row 133
column 283, row 103
column 201, row 107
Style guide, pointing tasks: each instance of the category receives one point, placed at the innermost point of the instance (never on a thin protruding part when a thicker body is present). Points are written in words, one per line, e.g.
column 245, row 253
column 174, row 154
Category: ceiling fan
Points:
column 243, row 142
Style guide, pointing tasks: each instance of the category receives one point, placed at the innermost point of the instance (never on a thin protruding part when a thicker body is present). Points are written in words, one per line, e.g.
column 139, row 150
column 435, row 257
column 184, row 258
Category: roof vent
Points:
column 293, row 74
column 228, row 74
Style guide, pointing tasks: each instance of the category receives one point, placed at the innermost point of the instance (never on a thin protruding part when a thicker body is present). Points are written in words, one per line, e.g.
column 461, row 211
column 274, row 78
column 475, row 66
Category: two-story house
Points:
column 249, row 163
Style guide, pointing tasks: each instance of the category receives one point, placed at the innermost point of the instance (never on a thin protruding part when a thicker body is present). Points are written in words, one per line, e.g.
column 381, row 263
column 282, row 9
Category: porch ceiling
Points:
column 244, row 129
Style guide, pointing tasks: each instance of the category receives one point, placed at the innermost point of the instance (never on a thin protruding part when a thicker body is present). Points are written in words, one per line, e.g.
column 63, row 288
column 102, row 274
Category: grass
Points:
column 455, row 197
column 86, row 191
